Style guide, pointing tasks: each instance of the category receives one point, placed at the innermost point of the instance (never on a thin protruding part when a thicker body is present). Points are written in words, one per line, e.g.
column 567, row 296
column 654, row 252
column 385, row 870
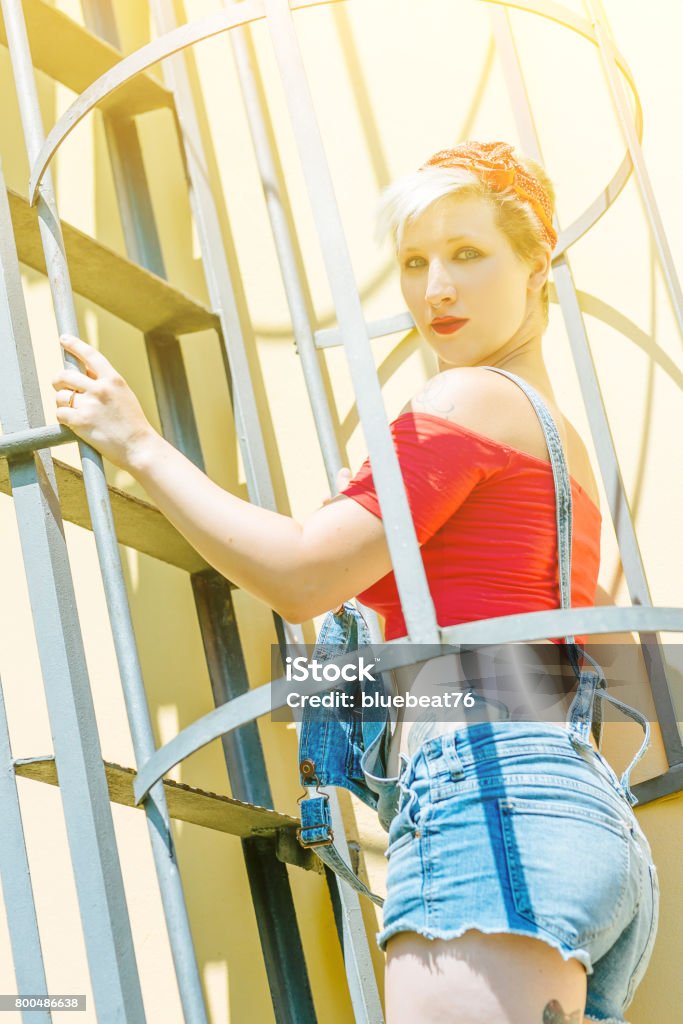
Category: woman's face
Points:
column 462, row 281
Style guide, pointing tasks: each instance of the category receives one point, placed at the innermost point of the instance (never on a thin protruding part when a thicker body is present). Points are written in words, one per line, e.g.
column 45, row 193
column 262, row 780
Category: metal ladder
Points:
column 34, row 479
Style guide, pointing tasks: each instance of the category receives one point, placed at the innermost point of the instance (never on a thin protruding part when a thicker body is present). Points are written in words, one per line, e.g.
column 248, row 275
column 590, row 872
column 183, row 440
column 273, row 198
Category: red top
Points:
column 484, row 514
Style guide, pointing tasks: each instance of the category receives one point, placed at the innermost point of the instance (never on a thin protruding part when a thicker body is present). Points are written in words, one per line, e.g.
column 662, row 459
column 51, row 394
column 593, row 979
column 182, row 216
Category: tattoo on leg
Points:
column 554, row 1014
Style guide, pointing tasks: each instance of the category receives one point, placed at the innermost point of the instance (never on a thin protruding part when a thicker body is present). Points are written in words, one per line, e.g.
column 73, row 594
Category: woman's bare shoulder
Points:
column 486, row 403
column 469, row 396
column 449, row 391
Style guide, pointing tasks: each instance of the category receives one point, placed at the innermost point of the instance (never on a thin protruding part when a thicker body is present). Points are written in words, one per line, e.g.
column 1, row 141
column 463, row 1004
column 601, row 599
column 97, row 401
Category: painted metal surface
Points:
column 634, row 568
column 68, row 53
column 269, row 882
column 127, row 999
column 411, row 580
column 506, row 629
column 242, row 709
column 85, row 800
column 346, row 903
column 289, row 255
column 23, row 442
column 99, row 274
column 197, row 806
column 138, row 524
column 130, row 67
column 630, row 127
column 567, row 19
column 271, row 894
column 15, row 878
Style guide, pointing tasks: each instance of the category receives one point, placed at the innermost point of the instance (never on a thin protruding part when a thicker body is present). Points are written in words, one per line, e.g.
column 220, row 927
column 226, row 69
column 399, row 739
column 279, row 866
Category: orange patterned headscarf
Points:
column 495, row 164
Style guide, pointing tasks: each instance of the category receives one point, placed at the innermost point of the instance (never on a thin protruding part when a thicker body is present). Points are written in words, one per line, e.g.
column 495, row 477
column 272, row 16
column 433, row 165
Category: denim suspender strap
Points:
column 344, row 632
column 316, row 828
column 591, row 683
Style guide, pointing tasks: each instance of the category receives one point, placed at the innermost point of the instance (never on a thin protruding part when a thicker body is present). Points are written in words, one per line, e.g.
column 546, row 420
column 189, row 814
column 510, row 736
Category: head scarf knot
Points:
column 494, row 163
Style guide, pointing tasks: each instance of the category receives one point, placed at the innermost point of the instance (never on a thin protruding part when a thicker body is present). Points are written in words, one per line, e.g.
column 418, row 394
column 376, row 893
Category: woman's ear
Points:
column 540, row 268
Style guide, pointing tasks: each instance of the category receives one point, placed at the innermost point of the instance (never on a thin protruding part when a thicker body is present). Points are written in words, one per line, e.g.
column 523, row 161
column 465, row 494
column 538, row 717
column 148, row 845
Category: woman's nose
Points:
column 440, row 286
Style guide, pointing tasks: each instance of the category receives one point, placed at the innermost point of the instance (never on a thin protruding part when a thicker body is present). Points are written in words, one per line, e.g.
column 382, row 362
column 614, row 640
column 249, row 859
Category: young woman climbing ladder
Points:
column 520, row 888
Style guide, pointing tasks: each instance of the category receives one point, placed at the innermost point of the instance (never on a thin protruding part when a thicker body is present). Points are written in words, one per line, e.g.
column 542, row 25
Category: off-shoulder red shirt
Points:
column 484, row 514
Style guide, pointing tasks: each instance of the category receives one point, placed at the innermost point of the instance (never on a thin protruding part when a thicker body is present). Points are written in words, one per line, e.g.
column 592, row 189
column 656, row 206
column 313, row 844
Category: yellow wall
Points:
column 416, row 73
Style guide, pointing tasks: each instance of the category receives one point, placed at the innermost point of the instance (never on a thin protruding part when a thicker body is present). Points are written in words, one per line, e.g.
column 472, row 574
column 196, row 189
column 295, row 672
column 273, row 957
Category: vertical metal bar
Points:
column 346, row 902
column 603, row 35
column 286, row 243
column 289, row 258
column 225, row 290
column 17, row 891
column 99, row 505
column 230, row 301
column 172, row 394
column 634, row 569
column 229, row 305
column 85, row 797
column 268, row 878
column 411, row 580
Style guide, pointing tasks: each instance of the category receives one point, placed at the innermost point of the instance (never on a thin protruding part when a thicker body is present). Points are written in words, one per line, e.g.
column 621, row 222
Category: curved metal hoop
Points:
column 253, row 10
column 510, row 628
column 568, row 19
column 139, row 61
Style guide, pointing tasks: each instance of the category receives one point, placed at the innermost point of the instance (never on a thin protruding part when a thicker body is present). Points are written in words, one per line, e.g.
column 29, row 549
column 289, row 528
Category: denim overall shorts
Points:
column 522, row 827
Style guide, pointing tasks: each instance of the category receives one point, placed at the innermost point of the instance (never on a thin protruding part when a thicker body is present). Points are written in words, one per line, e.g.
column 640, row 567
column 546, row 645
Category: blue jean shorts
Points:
column 506, row 827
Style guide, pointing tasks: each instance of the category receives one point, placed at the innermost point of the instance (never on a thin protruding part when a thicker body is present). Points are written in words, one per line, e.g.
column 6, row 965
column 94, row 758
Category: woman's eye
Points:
column 414, row 262
column 472, row 252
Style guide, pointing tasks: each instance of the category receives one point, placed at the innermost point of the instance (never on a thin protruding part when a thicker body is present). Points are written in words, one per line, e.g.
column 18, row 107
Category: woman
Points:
column 520, row 888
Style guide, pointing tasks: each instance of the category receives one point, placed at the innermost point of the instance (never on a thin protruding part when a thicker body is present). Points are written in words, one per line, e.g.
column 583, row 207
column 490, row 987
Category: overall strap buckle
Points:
column 316, row 820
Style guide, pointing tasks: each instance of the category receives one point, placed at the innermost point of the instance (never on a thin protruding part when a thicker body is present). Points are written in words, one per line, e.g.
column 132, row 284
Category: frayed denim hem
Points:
column 582, row 955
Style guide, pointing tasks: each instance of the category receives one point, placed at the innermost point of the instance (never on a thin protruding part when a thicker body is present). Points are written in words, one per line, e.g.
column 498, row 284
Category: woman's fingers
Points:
column 95, row 401
column 94, row 362
column 343, row 477
column 66, row 397
column 71, row 379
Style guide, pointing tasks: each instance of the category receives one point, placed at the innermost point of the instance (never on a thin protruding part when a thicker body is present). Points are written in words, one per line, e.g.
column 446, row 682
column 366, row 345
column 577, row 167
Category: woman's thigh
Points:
column 481, row 979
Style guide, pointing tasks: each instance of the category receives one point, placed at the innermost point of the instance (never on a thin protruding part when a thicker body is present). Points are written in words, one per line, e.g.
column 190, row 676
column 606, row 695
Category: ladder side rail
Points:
column 24, row 442
column 607, row 52
column 84, row 793
column 225, row 290
column 290, row 260
column 353, row 937
column 156, row 810
column 243, row 753
column 411, row 581
column 17, row 889
column 634, row 569
column 271, row 893
column 226, row 295
column 286, row 242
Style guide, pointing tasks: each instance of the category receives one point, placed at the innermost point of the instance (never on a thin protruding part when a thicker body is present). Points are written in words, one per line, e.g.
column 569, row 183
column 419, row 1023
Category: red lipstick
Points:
column 447, row 324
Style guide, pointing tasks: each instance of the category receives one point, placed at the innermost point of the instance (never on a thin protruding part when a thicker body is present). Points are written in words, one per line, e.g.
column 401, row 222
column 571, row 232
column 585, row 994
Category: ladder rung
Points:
column 196, row 806
column 72, row 55
column 111, row 281
column 139, row 525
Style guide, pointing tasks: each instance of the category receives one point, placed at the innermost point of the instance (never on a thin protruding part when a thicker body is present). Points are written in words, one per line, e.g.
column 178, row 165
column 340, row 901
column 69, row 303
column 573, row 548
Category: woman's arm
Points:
column 300, row 570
